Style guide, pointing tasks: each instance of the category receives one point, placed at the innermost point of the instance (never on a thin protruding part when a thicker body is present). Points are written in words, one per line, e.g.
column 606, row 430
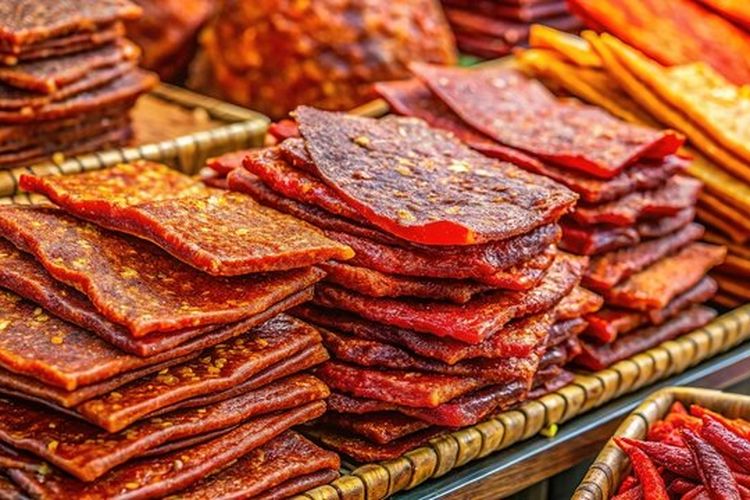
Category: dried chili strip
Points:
column 423, row 172
column 159, row 476
column 599, row 357
column 677, row 194
column 573, row 135
column 472, row 322
column 657, row 285
column 257, row 474
column 133, row 283
column 518, row 338
column 243, row 237
column 88, row 452
column 605, row 271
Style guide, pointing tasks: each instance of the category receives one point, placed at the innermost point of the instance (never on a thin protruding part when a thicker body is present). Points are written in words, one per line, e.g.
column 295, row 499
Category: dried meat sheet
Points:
column 677, row 194
column 380, row 427
column 60, row 354
column 407, row 179
column 223, row 164
column 525, row 12
column 472, row 322
column 380, row 355
column 30, row 21
column 159, row 476
column 609, row 323
column 517, row 339
column 598, row 357
column 459, row 412
column 264, row 471
column 579, row 302
column 25, row 277
column 223, row 234
column 87, row 452
column 133, row 283
column 558, row 382
column 61, row 45
column 278, row 175
column 606, row 270
column 569, row 134
column 48, row 75
column 125, row 89
column 658, row 284
column 363, row 450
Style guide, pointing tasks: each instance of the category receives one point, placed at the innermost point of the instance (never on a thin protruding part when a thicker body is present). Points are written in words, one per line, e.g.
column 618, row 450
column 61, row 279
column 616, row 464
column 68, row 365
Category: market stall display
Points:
column 68, row 79
column 119, row 359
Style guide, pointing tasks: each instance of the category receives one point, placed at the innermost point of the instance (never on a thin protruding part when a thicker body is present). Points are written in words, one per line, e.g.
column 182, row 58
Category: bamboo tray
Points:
column 587, row 391
column 604, row 475
column 172, row 125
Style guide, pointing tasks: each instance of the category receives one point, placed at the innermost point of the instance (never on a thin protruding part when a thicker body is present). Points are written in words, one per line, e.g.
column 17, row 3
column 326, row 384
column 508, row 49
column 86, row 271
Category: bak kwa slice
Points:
column 459, row 412
column 381, row 427
column 375, row 354
column 60, row 354
column 609, row 323
column 519, row 112
column 133, row 283
column 223, row 234
column 407, row 179
column 61, row 45
column 218, row 369
column 87, row 452
column 677, row 194
column 472, row 322
column 24, row 276
column 48, row 75
column 518, row 338
column 122, row 90
column 657, row 285
column 27, row 21
column 599, row 357
column 605, row 271
column 161, row 475
column 578, row 302
column 286, row 465
column 363, row 450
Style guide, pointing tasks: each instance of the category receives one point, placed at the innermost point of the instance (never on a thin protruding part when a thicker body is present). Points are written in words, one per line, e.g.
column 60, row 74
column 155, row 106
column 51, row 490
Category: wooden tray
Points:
column 172, row 125
column 604, row 475
column 587, row 391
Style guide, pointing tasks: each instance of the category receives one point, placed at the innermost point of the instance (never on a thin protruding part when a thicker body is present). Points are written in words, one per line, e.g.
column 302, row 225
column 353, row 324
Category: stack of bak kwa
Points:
column 145, row 348
column 634, row 218
column 68, row 78
column 457, row 303
column 492, row 28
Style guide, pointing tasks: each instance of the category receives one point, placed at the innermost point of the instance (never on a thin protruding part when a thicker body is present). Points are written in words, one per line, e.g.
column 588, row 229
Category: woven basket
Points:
column 605, row 474
column 237, row 128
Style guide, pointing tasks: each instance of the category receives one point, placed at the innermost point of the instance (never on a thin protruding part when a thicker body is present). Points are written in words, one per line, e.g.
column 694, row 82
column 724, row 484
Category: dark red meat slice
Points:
column 519, row 112
column 577, row 303
column 561, row 380
column 262, row 472
column 526, row 12
column 562, row 331
column 88, row 452
column 375, row 354
column 512, row 31
column 606, row 325
column 525, row 275
column 605, row 271
column 300, row 484
column 424, row 185
column 459, row 412
column 283, row 129
column 595, row 240
column 364, row 451
column 382, row 427
column 133, row 283
column 279, row 176
column 227, row 162
column 154, row 202
column 472, row 322
column 654, row 228
column 158, row 476
column 677, row 194
column 599, row 357
column 519, row 338
column 657, row 285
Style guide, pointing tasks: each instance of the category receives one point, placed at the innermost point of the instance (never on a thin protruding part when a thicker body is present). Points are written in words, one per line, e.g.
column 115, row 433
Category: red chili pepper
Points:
column 629, row 482
column 632, row 494
column 739, row 426
column 678, row 407
column 713, row 469
column 659, row 431
column 681, row 421
column 673, row 458
column 726, row 441
column 680, row 486
column 652, row 484
column 697, row 493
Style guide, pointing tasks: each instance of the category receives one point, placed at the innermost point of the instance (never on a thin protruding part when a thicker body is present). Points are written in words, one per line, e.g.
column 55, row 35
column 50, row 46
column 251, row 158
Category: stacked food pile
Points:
column 691, row 98
column 492, row 28
column 456, row 305
column 144, row 348
column 635, row 214
column 68, row 78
